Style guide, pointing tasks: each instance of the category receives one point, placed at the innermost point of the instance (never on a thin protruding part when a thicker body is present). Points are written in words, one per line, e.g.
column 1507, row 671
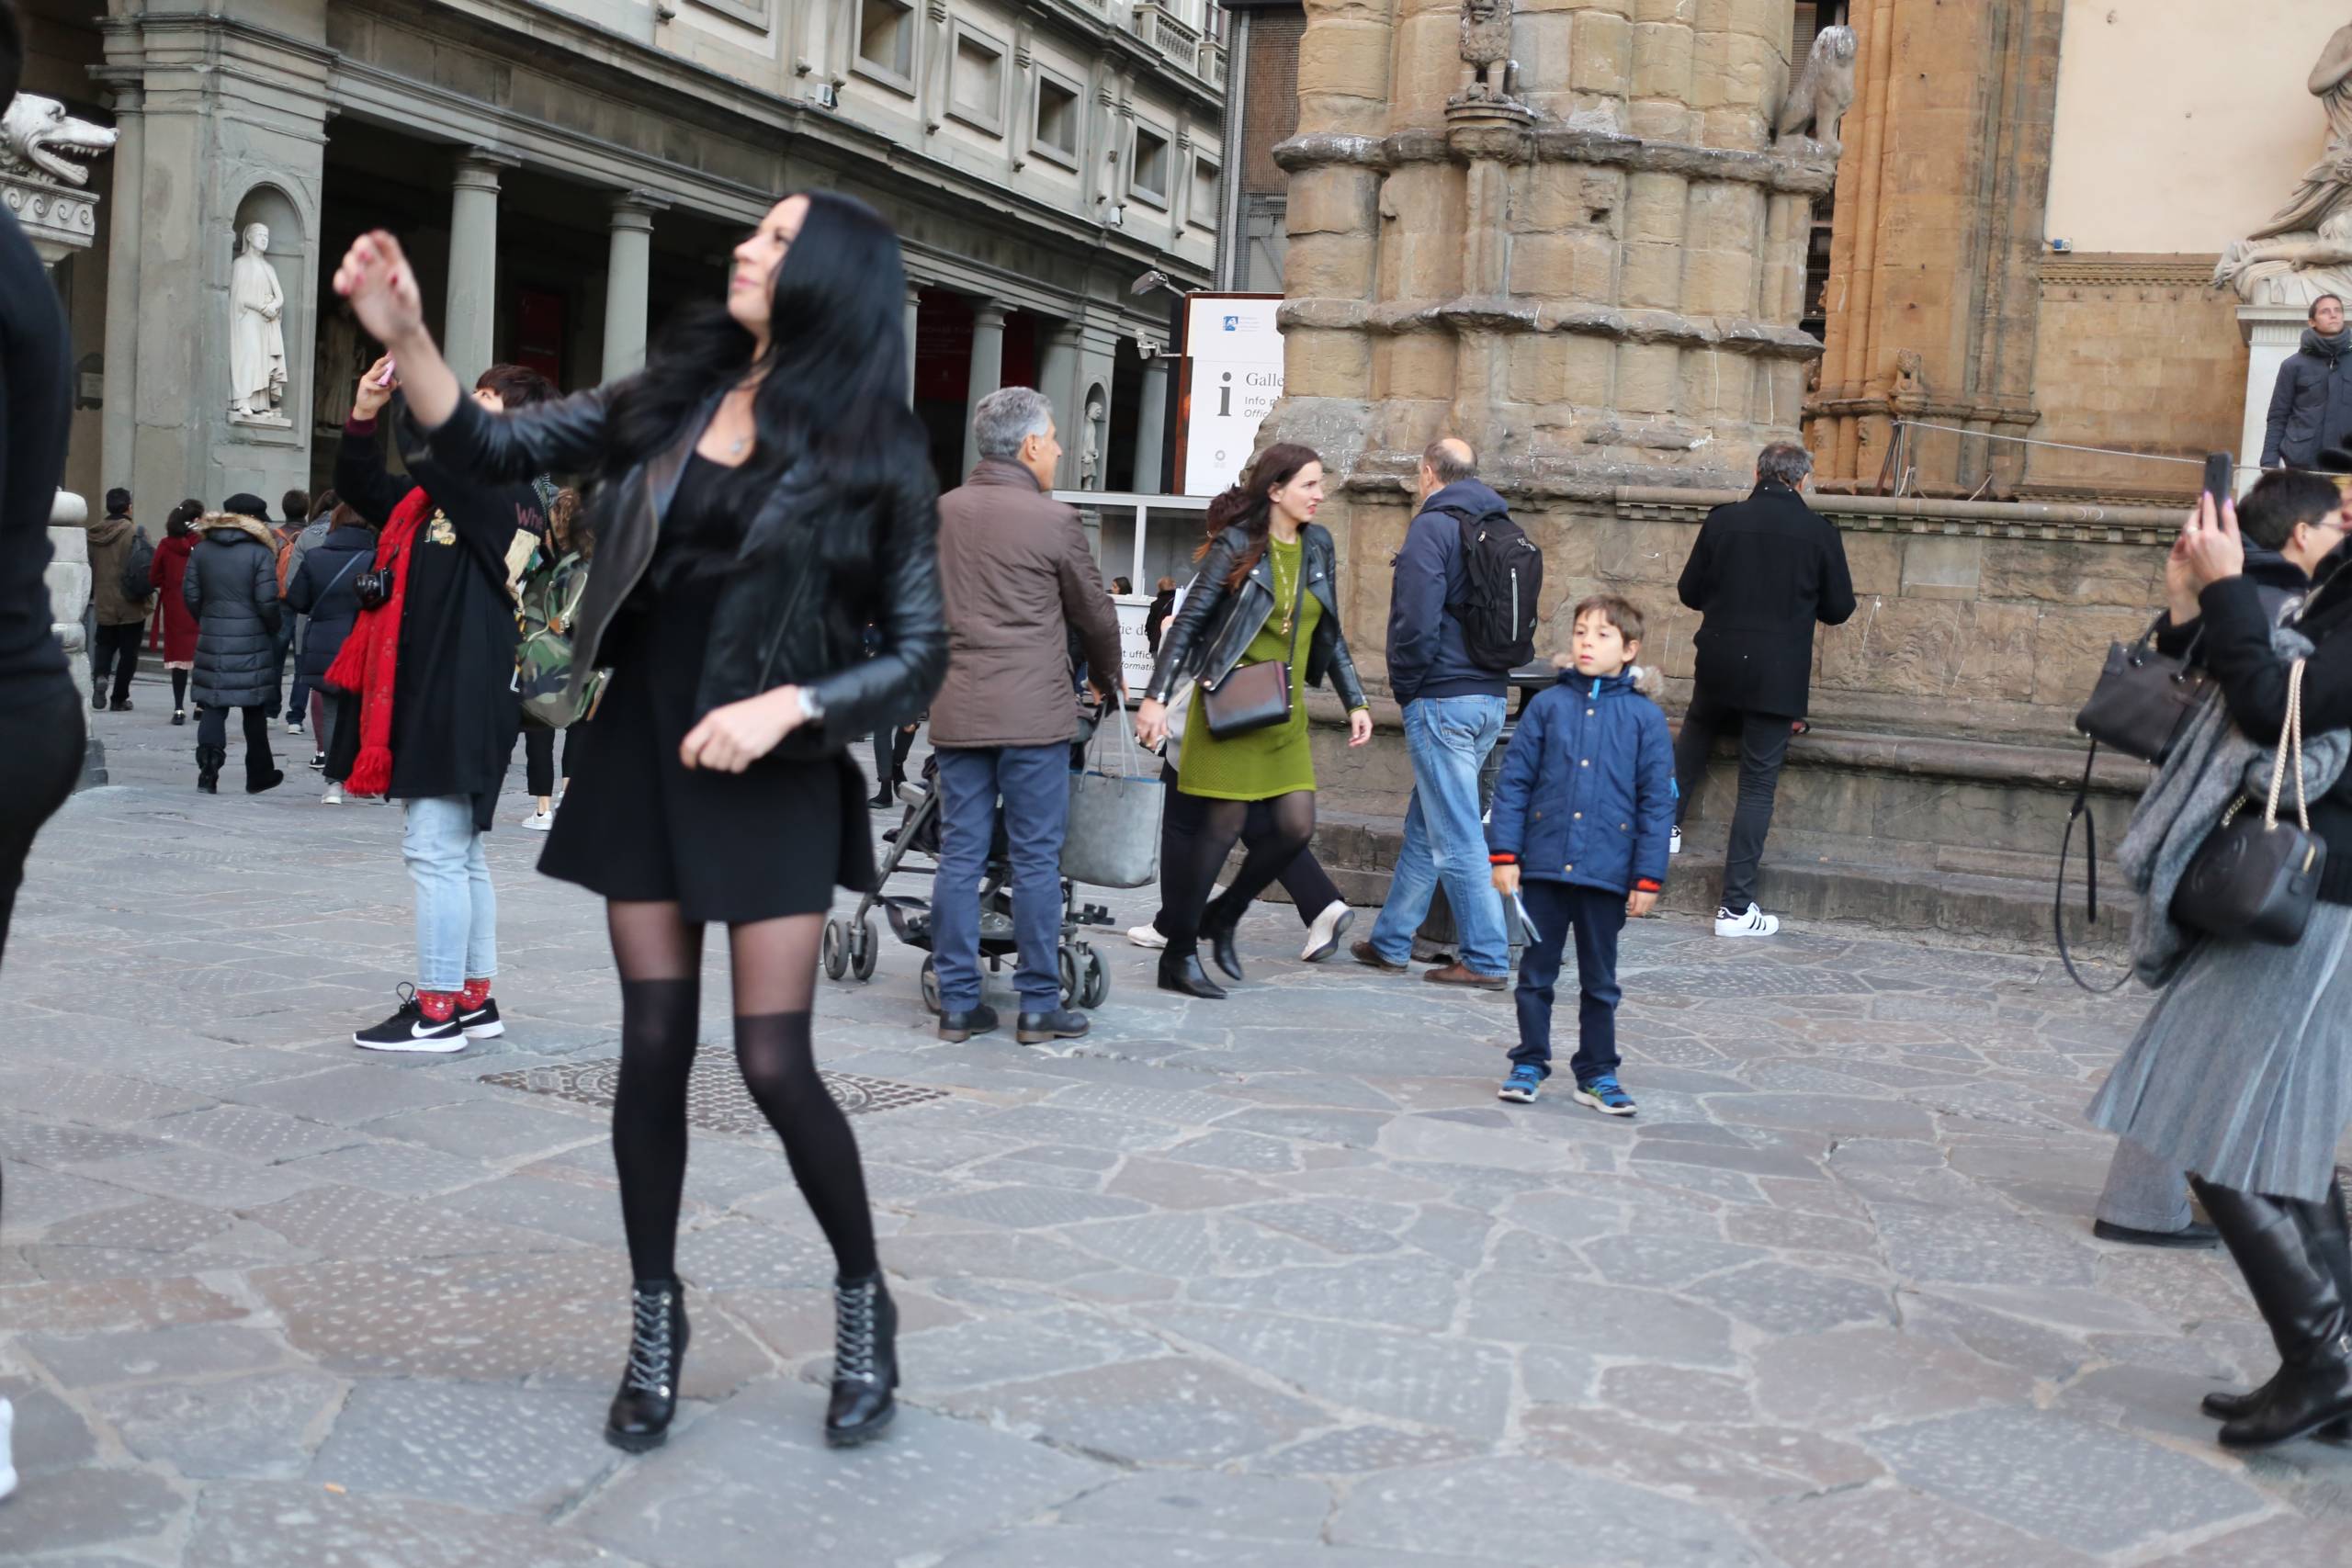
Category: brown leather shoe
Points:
column 1455, row 974
column 1366, row 954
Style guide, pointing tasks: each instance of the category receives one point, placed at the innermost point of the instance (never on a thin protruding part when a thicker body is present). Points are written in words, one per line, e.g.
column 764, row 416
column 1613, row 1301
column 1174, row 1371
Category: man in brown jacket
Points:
column 114, row 648
column 1019, row 581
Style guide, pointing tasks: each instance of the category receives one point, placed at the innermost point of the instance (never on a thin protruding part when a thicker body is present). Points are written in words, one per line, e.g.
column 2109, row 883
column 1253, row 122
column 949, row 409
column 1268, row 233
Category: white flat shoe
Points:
column 1146, row 935
column 1323, row 936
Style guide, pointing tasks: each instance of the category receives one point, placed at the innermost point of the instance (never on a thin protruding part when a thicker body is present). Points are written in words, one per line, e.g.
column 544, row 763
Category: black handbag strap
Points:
column 2080, row 812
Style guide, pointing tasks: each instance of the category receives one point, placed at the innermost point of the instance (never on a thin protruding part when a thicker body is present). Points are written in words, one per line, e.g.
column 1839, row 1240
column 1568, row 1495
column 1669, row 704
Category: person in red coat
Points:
column 179, row 622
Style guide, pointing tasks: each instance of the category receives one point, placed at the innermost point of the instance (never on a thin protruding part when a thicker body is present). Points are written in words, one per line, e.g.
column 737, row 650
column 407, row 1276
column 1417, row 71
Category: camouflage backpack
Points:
column 550, row 600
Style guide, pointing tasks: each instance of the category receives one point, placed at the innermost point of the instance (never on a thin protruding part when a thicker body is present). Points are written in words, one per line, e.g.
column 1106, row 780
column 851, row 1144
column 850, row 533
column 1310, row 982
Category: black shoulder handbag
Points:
column 2252, row 878
column 1255, row 696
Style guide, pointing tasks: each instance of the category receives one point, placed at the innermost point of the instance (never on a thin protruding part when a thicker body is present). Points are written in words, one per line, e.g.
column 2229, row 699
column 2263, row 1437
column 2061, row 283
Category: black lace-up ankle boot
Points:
column 866, row 1362
column 657, row 1346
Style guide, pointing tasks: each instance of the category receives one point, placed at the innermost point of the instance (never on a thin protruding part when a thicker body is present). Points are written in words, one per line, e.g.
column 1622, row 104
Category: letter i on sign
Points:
column 1225, row 396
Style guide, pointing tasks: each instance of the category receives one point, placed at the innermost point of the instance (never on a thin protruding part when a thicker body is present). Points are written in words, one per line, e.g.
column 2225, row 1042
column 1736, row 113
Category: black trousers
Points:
column 1310, row 888
column 894, row 744
column 41, row 756
column 1763, row 747
column 212, row 729
column 115, row 648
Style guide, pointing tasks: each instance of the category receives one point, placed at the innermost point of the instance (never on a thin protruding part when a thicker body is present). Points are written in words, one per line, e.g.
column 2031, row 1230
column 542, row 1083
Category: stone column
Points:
column 628, row 279
column 1151, row 424
column 471, row 320
column 1057, row 379
column 118, row 423
column 988, row 370
column 914, row 322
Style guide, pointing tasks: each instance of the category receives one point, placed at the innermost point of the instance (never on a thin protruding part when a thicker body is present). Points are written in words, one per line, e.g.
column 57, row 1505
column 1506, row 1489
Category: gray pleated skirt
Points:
column 2242, row 1072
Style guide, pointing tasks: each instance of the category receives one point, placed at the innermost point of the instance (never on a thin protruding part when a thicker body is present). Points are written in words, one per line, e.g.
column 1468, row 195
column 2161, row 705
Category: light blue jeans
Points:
column 1445, row 838
column 457, row 909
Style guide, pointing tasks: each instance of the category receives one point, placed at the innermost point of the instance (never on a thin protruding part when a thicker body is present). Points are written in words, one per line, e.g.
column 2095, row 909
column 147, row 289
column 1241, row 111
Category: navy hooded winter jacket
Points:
column 1427, row 654
column 1586, row 793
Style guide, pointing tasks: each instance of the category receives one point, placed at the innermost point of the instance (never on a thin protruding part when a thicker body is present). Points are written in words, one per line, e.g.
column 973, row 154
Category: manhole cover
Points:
column 715, row 1097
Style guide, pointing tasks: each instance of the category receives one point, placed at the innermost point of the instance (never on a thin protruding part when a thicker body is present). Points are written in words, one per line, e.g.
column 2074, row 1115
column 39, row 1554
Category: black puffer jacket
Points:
column 231, row 589
column 793, row 619
column 1208, row 636
column 326, row 589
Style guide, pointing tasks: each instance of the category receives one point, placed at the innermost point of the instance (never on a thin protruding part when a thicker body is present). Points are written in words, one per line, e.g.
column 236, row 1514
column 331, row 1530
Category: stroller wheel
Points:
column 863, row 951
column 930, row 986
column 836, row 949
column 1068, row 964
column 1093, row 979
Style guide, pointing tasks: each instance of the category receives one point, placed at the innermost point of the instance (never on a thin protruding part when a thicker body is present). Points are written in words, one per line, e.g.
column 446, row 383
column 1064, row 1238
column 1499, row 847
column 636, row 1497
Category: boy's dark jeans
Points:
column 1595, row 917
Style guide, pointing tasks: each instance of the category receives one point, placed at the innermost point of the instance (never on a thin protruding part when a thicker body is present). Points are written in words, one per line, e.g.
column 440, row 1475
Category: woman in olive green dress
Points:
column 1266, row 591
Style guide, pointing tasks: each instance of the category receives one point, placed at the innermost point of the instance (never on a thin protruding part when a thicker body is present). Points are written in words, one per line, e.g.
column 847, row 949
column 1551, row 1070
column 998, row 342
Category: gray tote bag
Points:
column 1114, row 805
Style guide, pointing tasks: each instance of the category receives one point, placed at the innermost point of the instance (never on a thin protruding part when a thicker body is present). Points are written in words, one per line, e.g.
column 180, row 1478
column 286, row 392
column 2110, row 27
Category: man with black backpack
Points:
column 1461, row 617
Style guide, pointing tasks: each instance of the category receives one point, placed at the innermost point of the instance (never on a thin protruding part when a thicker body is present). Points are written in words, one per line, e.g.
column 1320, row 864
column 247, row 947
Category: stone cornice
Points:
column 1523, row 313
column 1808, row 174
column 2135, row 525
column 2126, row 269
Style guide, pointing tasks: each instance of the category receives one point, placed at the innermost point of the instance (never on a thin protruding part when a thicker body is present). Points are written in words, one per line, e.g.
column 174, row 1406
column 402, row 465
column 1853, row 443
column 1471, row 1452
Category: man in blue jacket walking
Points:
column 1453, row 715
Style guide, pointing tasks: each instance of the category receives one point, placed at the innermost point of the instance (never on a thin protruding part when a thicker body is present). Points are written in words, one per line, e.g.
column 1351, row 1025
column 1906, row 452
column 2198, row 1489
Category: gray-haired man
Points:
column 1019, row 579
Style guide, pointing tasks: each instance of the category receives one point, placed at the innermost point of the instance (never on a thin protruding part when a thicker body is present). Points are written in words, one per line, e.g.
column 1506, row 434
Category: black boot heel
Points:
column 866, row 1362
column 648, row 1399
column 1183, row 973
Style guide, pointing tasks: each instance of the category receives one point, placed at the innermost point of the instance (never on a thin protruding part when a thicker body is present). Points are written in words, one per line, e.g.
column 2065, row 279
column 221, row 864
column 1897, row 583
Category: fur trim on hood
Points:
column 252, row 526
column 1648, row 679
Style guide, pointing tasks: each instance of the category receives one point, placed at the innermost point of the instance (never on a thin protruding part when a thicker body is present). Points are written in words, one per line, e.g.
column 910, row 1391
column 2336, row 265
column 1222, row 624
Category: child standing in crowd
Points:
column 1578, row 840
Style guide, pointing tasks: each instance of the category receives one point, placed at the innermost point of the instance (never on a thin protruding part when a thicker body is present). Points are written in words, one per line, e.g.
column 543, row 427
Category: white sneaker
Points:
column 1674, row 842
column 1323, row 936
column 7, row 1464
column 539, row 821
column 1146, row 935
column 293, row 726
column 334, row 795
column 1756, row 923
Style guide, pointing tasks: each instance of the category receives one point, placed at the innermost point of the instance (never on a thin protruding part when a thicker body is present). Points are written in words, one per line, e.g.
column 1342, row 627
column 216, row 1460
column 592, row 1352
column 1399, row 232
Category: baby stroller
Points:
column 849, row 944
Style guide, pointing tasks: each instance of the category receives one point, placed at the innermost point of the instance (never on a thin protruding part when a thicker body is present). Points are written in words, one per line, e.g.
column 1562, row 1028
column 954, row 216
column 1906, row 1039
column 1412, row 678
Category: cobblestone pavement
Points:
column 1272, row 1282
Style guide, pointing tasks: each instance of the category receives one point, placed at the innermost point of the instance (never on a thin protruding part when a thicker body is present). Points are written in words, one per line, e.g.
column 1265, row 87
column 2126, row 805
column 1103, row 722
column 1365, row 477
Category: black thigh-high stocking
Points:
column 775, row 981
column 1290, row 828
column 660, row 955
column 179, row 689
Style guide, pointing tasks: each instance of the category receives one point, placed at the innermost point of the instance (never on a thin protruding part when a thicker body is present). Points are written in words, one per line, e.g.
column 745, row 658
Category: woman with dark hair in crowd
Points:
column 1267, row 590
column 168, row 571
column 766, row 497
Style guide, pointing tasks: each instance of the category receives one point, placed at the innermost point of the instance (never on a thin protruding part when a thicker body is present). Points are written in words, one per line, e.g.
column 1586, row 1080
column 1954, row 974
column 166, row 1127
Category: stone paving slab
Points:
column 1270, row 1284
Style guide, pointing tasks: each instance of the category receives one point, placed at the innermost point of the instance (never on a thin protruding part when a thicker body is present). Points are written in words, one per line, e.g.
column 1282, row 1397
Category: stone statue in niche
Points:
column 1090, row 451
column 257, row 333
column 1821, row 96
column 2305, row 250
column 1488, row 70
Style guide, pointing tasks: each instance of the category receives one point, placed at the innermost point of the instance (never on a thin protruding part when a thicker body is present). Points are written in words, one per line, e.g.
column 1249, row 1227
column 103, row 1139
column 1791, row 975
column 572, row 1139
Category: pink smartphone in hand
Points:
column 391, row 369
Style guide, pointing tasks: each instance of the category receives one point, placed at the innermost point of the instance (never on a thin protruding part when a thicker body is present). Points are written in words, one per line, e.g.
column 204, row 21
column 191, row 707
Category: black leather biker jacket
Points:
column 1207, row 638
column 792, row 620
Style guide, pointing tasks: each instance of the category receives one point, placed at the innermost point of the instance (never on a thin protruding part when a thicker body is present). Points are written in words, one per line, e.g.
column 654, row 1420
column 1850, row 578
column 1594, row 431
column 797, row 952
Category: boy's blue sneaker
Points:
column 1524, row 1085
column 1605, row 1096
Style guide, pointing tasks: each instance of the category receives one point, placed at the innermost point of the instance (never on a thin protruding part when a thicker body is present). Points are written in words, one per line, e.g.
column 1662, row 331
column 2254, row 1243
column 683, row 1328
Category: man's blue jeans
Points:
column 1445, row 839
column 1034, row 783
column 457, row 909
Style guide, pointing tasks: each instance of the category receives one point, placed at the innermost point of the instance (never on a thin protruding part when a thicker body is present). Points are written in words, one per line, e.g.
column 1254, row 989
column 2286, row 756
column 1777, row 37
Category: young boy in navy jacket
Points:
column 1578, row 831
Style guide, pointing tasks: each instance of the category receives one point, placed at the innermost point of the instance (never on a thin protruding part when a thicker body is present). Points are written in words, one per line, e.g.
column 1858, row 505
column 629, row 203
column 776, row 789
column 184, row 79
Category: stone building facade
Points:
column 563, row 174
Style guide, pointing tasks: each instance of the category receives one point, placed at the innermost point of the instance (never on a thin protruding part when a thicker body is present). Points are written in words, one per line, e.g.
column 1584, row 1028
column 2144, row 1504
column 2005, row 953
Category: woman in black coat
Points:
column 325, row 588
column 766, row 497
column 231, row 589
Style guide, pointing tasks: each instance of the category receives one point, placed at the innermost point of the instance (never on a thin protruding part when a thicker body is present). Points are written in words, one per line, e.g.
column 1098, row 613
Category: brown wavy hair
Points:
column 1249, row 505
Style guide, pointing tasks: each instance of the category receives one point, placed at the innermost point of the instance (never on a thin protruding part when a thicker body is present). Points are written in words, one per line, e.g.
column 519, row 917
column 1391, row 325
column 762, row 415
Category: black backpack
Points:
column 136, row 589
column 1502, row 578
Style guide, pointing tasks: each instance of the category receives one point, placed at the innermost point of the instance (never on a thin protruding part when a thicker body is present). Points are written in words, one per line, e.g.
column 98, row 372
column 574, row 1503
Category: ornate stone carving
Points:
column 2305, row 250
column 44, row 154
column 1820, row 97
column 257, row 333
column 1488, row 70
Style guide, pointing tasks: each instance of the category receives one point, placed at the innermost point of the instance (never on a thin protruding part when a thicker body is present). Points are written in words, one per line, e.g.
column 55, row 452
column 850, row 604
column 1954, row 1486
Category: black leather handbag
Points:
column 2142, row 699
column 1255, row 696
column 2252, row 878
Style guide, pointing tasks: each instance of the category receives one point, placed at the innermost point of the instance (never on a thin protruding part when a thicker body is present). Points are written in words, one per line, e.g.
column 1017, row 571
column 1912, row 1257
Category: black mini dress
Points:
column 640, row 825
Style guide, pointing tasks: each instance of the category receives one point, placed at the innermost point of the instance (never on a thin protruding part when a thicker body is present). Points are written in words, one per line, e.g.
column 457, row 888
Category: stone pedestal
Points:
column 2271, row 333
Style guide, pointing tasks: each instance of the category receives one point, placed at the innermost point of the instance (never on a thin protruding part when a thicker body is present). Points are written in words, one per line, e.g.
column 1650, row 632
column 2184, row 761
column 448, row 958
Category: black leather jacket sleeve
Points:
column 1187, row 631
column 566, row 437
column 897, row 684
column 1343, row 673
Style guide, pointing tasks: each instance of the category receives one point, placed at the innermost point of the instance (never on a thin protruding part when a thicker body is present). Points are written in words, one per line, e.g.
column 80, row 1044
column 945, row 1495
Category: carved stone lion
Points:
column 1487, row 69
column 1820, row 97
column 37, row 135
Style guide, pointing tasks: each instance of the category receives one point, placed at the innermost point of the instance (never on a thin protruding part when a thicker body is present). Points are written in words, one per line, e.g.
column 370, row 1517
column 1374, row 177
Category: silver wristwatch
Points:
column 812, row 707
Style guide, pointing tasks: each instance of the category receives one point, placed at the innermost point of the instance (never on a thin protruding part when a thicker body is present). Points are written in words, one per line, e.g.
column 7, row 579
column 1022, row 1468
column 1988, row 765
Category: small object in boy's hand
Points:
column 1526, row 921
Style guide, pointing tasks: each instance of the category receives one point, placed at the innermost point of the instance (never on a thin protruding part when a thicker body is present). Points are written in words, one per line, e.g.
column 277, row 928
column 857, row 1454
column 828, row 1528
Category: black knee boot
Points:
column 866, row 1362
column 648, row 1395
column 2323, row 1226
column 208, row 763
column 2289, row 1273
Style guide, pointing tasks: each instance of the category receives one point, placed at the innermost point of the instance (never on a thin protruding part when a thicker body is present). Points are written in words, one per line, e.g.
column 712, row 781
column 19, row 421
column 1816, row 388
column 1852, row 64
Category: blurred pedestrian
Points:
column 169, row 574
column 119, row 617
column 325, row 591
column 552, row 588
column 232, row 588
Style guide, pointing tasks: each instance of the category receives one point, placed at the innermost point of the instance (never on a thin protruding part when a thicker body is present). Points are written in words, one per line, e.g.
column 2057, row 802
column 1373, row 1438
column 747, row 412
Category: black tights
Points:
column 179, row 689
column 774, row 965
column 1186, row 879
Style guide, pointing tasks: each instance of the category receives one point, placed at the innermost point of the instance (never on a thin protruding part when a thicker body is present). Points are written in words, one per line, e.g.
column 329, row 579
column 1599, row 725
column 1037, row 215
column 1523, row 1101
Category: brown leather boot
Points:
column 1457, row 974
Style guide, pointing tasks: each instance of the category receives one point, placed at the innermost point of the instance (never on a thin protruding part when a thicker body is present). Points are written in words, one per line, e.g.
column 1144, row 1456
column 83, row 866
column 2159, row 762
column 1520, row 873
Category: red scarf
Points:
column 370, row 657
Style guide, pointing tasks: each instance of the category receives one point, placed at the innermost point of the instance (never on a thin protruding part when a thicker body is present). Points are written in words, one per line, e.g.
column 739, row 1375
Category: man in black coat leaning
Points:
column 1763, row 571
column 2310, row 403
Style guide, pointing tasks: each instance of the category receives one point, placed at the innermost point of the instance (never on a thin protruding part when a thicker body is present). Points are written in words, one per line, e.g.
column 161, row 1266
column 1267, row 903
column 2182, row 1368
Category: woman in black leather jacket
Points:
column 767, row 495
column 1267, row 590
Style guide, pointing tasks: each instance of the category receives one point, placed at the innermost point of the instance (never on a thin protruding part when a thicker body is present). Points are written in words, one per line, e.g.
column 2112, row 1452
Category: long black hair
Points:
column 1249, row 505
column 832, row 394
